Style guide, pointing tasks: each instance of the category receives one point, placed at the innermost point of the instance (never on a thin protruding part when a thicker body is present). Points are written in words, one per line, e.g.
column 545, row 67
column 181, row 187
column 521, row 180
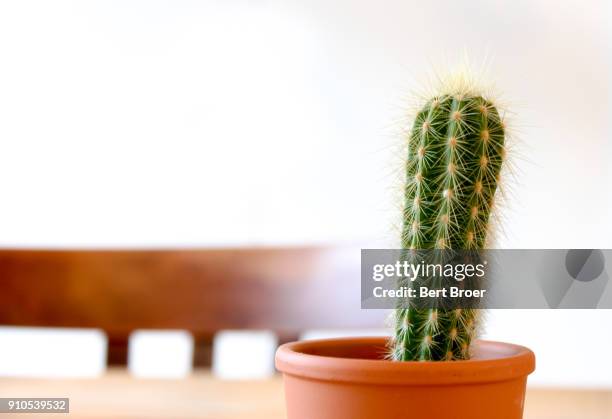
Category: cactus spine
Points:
column 455, row 153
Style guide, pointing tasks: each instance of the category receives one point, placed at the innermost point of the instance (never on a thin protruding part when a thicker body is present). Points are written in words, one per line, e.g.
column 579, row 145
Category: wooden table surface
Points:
column 117, row 395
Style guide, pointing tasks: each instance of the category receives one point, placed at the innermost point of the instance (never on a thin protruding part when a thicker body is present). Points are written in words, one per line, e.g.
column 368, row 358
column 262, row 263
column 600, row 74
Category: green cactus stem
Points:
column 455, row 154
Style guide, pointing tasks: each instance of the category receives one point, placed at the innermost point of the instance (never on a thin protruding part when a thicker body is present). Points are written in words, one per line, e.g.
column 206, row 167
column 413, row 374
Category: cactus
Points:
column 455, row 153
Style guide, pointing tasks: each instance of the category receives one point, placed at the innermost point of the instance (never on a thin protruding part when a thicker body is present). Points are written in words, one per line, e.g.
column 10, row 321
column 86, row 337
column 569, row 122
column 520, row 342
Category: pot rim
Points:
column 492, row 362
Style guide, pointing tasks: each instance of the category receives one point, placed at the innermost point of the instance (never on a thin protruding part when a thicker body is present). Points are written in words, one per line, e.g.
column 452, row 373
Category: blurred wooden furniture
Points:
column 203, row 291
column 287, row 290
column 117, row 395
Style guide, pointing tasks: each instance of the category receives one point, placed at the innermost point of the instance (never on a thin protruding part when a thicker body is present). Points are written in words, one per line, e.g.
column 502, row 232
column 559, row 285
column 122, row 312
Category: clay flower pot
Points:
column 349, row 379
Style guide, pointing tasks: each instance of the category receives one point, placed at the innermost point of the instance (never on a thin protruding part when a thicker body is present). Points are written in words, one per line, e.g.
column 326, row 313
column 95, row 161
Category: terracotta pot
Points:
column 348, row 379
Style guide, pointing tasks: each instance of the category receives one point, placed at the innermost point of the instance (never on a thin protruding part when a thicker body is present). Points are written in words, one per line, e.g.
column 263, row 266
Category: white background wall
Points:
column 157, row 123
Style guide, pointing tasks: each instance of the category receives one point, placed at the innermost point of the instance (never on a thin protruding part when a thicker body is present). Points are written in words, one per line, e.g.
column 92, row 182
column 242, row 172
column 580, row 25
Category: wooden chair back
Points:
column 287, row 290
